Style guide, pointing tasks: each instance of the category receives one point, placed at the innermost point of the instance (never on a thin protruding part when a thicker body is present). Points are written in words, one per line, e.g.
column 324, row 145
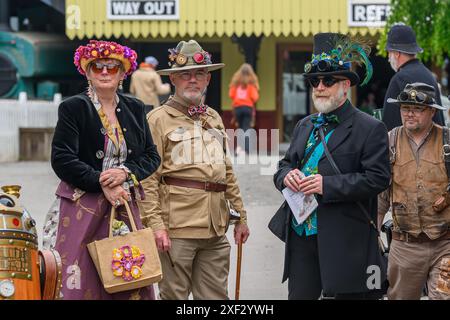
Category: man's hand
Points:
column 312, row 184
column 241, row 233
column 112, row 177
column 292, row 180
column 162, row 240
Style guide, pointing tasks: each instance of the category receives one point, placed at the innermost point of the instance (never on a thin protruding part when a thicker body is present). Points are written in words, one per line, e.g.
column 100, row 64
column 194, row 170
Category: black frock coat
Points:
column 347, row 244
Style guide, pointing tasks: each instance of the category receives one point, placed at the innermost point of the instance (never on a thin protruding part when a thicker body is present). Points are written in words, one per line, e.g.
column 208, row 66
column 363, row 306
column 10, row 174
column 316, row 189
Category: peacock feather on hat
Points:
column 344, row 52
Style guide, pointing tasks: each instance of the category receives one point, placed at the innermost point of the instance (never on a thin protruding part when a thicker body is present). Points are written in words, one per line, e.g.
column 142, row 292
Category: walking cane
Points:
column 238, row 271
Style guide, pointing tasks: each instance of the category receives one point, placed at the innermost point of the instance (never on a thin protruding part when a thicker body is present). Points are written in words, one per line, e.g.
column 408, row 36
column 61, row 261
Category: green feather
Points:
column 352, row 50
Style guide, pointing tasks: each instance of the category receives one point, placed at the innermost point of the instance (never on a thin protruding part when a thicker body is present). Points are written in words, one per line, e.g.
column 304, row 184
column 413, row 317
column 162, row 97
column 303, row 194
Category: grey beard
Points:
column 330, row 105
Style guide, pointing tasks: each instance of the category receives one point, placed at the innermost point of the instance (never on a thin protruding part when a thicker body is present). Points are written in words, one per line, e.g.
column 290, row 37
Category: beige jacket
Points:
column 189, row 151
column 146, row 85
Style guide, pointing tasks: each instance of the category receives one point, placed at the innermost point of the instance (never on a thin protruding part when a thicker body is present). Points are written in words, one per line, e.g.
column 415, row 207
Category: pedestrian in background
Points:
column 402, row 50
column 101, row 149
column 146, row 84
column 244, row 93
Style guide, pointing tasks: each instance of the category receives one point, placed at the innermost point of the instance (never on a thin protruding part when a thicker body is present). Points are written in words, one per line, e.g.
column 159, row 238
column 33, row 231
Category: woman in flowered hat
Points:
column 101, row 149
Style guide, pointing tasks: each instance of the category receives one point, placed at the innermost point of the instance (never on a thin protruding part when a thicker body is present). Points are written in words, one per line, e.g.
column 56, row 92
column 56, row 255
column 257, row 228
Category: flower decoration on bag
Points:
column 127, row 262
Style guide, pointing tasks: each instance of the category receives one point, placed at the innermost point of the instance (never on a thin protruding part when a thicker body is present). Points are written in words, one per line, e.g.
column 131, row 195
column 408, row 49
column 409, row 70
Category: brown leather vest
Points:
column 416, row 186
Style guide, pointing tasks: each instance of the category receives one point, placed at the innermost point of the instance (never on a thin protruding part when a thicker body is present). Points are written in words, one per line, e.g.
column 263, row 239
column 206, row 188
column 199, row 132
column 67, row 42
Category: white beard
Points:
column 393, row 64
column 331, row 104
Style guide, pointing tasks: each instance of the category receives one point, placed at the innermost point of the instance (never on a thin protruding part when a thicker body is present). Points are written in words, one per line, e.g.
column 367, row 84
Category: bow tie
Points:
column 323, row 119
column 200, row 109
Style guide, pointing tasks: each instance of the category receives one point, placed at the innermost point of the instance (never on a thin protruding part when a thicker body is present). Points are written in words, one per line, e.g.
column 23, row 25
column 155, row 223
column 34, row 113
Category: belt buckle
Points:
column 207, row 185
column 406, row 237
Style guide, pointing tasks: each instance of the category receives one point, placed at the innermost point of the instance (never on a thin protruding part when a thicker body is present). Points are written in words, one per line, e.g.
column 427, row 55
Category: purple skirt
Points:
column 83, row 220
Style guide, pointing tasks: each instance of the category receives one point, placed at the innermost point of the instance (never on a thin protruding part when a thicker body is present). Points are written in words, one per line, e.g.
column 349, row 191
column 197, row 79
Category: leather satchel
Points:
column 279, row 222
column 126, row 262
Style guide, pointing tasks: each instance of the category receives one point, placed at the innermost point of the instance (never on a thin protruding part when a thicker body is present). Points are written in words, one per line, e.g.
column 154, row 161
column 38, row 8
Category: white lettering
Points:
column 73, row 17
column 370, row 13
column 126, row 8
column 374, row 280
column 360, row 13
column 74, row 278
column 149, row 8
column 170, row 7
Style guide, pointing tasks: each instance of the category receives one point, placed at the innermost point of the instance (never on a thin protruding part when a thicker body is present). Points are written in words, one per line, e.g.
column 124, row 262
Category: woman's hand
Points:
column 116, row 195
column 112, row 177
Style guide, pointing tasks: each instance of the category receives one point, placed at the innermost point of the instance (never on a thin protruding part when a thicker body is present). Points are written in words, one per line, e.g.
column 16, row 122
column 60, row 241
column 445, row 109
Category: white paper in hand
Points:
column 302, row 206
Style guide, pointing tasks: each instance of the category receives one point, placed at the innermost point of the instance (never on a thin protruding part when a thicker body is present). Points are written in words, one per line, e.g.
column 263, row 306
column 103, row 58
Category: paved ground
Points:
column 262, row 255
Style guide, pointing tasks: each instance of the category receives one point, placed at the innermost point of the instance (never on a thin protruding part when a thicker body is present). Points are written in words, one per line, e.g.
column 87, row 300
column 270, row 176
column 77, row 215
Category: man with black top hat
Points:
column 419, row 198
column 187, row 197
column 334, row 252
column 402, row 49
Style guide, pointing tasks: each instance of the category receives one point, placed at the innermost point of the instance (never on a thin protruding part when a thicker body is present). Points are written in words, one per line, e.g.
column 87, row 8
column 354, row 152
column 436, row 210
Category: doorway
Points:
column 293, row 98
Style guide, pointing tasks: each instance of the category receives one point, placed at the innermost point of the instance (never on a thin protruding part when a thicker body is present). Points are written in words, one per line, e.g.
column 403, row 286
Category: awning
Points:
column 210, row 18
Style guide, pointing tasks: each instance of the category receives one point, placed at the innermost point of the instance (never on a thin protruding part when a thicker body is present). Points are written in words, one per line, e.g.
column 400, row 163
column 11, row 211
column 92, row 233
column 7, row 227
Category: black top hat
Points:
column 417, row 93
column 403, row 39
column 333, row 54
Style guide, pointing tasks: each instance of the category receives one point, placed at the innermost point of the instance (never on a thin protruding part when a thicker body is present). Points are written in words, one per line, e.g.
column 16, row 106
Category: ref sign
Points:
column 368, row 13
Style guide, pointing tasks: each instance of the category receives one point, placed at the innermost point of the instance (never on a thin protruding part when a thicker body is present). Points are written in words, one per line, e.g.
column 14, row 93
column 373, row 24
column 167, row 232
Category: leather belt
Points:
column 403, row 236
column 203, row 185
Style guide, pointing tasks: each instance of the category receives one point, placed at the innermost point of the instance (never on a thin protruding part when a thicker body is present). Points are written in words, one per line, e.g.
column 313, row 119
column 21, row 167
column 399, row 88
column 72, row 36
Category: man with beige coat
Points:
column 186, row 198
column 146, row 84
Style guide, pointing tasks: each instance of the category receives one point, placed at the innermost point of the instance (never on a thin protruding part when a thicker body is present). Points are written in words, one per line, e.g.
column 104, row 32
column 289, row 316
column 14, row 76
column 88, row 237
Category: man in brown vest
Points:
column 418, row 197
column 186, row 198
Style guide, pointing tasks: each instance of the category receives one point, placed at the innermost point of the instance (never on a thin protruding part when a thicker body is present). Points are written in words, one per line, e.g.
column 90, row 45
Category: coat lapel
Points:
column 342, row 131
column 303, row 139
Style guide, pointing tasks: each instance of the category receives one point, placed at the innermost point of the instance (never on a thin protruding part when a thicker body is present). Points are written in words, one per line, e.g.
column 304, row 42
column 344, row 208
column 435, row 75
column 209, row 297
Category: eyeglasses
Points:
column 327, row 81
column 188, row 75
column 414, row 110
column 413, row 95
column 111, row 68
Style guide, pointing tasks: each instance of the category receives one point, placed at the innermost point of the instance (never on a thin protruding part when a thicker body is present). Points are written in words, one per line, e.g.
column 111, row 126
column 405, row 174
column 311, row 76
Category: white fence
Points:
column 16, row 114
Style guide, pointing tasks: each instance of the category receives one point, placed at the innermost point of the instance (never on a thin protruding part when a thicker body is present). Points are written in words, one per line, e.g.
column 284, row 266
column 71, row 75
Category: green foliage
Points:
column 430, row 19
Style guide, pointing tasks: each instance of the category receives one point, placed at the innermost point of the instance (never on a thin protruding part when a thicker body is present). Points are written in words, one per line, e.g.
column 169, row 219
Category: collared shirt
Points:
column 417, row 148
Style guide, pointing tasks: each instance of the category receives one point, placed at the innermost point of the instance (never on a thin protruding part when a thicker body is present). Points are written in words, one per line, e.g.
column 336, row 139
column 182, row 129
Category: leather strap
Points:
column 406, row 237
column 51, row 267
column 203, row 185
column 358, row 203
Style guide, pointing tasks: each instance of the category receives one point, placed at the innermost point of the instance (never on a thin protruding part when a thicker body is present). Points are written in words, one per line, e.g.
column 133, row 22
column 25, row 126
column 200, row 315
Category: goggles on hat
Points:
column 414, row 96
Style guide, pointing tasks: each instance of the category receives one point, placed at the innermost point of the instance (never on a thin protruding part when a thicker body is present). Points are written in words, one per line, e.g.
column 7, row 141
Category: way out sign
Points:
column 368, row 13
column 143, row 9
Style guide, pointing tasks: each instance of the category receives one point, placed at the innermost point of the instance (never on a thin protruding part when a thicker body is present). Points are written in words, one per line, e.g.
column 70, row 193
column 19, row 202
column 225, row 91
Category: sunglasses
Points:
column 111, row 68
column 327, row 81
column 413, row 95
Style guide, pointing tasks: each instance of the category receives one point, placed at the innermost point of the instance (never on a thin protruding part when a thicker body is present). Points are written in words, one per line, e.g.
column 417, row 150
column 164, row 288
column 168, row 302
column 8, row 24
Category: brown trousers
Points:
column 412, row 265
column 201, row 266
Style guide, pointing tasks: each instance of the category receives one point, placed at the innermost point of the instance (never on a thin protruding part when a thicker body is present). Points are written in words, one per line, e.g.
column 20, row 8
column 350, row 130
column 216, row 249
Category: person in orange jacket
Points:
column 244, row 87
